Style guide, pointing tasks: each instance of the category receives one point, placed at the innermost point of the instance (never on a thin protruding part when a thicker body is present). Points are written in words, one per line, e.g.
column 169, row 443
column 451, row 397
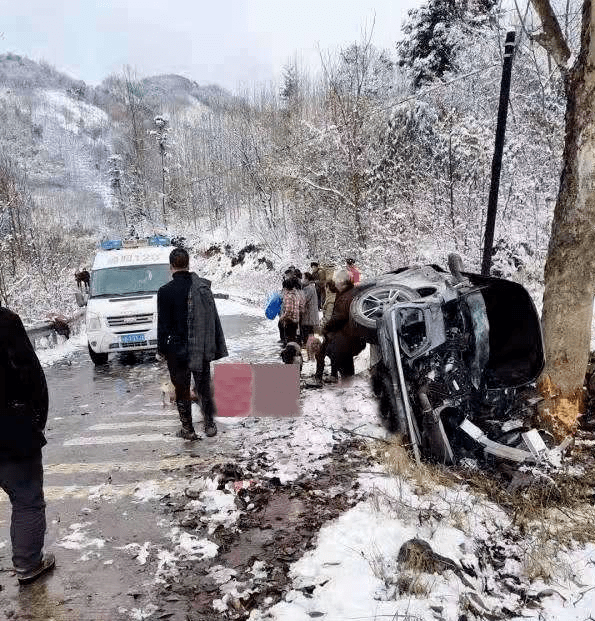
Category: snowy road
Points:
column 111, row 455
column 145, row 525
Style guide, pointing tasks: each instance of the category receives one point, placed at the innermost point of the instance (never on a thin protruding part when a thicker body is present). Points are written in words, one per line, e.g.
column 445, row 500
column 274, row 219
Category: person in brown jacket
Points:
column 343, row 341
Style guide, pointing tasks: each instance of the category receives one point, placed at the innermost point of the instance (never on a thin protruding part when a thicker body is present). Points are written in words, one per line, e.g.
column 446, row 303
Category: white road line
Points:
column 160, row 411
column 146, row 437
column 168, row 463
column 146, row 424
column 170, row 411
column 141, row 490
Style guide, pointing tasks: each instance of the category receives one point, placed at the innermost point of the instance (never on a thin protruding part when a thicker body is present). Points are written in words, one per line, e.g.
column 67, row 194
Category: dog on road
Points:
column 292, row 354
column 168, row 393
column 313, row 347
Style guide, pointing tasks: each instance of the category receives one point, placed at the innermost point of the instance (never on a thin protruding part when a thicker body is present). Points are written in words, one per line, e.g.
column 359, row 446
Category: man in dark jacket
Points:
column 343, row 342
column 190, row 337
column 319, row 277
column 23, row 415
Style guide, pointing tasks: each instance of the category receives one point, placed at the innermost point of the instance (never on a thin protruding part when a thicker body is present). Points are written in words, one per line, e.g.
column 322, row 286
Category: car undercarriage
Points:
column 454, row 359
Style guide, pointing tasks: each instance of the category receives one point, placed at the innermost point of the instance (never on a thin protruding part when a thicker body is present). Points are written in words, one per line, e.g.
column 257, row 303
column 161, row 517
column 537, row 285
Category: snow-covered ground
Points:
column 493, row 569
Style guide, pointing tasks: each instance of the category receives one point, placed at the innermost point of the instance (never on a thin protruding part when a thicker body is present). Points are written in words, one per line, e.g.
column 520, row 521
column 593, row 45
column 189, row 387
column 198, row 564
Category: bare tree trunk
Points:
column 570, row 266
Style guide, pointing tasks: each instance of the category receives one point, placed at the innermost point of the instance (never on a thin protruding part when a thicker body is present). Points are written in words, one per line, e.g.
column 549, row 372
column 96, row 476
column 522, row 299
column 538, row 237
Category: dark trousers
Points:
column 281, row 331
column 180, row 377
column 22, row 480
column 344, row 364
column 320, row 356
column 289, row 331
column 341, row 355
column 305, row 332
column 321, row 294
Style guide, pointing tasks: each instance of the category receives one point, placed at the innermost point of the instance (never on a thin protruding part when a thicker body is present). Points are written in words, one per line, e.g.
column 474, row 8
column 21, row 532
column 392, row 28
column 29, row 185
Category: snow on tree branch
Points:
column 323, row 189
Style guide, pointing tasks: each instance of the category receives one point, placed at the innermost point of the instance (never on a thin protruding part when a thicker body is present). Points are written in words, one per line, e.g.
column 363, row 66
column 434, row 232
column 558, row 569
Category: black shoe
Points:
column 315, row 382
column 210, row 428
column 187, row 434
column 48, row 562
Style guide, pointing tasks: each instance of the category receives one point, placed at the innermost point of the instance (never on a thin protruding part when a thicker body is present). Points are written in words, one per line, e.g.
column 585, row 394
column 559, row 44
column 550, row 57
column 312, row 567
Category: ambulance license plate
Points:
column 133, row 338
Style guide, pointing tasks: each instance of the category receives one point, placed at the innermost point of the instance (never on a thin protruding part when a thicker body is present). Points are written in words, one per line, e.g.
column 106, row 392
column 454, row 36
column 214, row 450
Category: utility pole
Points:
column 509, row 45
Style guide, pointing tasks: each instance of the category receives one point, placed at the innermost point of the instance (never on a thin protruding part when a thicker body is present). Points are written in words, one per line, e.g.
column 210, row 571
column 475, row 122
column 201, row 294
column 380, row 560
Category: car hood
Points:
column 516, row 343
column 130, row 305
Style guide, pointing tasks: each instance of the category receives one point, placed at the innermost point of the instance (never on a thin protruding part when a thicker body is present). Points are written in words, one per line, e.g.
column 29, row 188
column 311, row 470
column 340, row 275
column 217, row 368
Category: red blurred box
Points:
column 267, row 389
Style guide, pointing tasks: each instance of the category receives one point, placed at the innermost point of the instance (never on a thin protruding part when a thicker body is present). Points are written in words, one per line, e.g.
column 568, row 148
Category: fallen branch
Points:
column 350, row 432
column 362, row 435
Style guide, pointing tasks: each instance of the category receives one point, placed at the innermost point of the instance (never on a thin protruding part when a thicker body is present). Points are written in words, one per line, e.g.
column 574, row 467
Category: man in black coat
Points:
column 319, row 277
column 190, row 337
column 23, row 415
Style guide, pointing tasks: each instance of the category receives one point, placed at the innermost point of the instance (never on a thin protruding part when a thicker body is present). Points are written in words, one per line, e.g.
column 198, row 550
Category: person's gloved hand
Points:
column 159, row 357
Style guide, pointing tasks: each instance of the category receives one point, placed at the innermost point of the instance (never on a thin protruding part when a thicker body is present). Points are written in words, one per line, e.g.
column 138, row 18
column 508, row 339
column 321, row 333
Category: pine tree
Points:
column 433, row 36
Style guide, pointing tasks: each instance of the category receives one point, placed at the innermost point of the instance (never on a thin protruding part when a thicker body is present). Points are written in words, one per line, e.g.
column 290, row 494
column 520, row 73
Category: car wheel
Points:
column 98, row 359
column 368, row 305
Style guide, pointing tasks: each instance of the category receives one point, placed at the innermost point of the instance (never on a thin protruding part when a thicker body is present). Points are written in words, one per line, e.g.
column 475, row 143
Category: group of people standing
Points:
column 317, row 303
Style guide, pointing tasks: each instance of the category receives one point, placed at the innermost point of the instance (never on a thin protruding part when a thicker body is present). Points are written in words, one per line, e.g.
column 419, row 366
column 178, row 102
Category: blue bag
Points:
column 273, row 307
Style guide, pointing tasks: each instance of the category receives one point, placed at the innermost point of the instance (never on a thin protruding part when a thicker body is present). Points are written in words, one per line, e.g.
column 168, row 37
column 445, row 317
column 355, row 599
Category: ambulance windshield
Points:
column 128, row 280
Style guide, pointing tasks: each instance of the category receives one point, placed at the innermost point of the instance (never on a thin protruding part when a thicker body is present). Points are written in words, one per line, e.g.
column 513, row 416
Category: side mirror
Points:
column 81, row 298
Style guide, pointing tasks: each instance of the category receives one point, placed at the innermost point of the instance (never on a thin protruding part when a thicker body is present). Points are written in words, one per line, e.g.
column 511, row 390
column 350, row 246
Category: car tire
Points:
column 368, row 305
column 98, row 359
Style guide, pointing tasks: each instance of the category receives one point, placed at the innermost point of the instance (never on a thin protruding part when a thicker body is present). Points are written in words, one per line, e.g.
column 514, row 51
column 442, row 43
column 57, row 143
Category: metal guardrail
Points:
column 45, row 334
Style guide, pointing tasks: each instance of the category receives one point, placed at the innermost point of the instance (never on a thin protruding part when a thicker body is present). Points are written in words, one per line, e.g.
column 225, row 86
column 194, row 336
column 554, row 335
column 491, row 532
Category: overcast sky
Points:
column 233, row 43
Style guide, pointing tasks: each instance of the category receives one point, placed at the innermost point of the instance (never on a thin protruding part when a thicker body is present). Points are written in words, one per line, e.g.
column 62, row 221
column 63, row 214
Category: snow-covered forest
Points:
column 385, row 155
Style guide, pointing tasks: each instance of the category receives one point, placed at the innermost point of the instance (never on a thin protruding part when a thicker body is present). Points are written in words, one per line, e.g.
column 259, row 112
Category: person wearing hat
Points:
column 354, row 273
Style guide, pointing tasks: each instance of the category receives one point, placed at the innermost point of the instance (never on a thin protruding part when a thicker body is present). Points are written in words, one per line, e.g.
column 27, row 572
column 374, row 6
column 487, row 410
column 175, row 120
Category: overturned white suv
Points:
column 455, row 356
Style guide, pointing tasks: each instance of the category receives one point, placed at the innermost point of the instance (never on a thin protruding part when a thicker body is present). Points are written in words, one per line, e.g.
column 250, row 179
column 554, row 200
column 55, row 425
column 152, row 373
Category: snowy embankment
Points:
column 485, row 567
column 64, row 350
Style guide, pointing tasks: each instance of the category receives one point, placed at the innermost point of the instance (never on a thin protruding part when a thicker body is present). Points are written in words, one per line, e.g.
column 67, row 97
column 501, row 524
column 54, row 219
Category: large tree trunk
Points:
column 570, row 266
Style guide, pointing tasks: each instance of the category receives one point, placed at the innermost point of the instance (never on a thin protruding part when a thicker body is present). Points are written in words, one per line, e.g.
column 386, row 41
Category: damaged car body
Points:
column 453, row 356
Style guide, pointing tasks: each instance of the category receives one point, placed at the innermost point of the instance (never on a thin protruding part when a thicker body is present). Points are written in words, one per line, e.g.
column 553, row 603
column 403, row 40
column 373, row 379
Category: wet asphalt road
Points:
column 111, row 454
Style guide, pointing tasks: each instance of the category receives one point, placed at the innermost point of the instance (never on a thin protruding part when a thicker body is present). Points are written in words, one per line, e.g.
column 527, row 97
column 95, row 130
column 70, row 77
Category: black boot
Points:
column 210, row 426
column 185, row 411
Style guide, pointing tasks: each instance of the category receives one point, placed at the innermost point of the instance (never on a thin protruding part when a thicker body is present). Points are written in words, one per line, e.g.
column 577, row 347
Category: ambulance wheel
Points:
column 98, row 359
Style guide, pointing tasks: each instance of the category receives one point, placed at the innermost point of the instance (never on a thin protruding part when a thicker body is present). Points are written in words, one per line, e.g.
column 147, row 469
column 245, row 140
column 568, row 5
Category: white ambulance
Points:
column 122, row 303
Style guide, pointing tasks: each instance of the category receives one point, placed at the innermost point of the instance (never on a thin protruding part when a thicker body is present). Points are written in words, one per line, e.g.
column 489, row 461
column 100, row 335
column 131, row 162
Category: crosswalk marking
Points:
column 168, row 411
column 138, row 423
column 160, row 411
column 170, row 463
column 126, row 439
column 142, row 490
